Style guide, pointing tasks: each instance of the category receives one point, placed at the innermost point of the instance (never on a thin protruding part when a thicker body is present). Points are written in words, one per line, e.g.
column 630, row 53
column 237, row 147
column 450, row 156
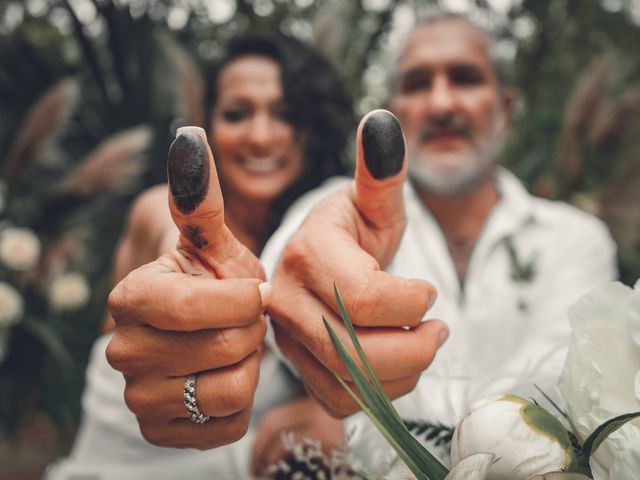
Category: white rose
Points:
column 601, row 378
column 474, row 467
column 11, row 306
column 525, row 439
column 68, row 291
column 19, row 248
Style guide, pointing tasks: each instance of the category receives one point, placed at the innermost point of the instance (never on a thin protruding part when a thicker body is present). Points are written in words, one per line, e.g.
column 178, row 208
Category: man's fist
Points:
column 349, row 238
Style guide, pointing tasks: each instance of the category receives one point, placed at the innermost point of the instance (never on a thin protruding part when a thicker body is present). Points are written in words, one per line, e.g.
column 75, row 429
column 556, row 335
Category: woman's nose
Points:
column 261, row 133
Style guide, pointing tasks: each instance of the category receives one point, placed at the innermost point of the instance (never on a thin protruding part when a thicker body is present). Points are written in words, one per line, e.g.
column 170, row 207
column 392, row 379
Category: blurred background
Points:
column 92, row 91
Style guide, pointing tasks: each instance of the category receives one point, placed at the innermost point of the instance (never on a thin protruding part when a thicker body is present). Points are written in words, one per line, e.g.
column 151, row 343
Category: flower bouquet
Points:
column 511, row 438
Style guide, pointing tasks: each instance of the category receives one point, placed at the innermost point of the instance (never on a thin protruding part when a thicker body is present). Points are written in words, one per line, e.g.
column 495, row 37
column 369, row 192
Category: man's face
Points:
column 449, row 103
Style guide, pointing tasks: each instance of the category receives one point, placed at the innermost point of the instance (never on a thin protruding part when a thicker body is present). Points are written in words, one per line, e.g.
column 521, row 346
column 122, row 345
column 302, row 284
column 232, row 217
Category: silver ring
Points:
column 191, row 403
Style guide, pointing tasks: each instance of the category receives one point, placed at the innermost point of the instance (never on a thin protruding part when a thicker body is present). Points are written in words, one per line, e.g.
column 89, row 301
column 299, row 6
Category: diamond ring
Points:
column 191, row 403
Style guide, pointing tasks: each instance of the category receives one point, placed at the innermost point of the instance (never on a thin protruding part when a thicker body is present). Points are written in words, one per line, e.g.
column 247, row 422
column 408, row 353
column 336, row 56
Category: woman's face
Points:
column 258, row 153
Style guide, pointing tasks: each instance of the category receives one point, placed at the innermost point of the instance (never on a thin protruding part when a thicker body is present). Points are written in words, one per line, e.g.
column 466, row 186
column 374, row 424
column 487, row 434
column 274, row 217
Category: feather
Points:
column 619, row 209
column 114, row 166
column 612, row 123
column 189, row 89
column 46, row 119
column 585, row 102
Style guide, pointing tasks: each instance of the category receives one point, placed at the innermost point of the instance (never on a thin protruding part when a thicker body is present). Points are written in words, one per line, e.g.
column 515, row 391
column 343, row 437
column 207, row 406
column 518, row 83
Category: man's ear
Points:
column 509, row 97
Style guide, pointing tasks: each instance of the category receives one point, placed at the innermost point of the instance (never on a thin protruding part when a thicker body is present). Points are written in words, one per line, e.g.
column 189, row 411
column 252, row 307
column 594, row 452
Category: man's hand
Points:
column 196, row 310
column 302, row 417
column 349, row 239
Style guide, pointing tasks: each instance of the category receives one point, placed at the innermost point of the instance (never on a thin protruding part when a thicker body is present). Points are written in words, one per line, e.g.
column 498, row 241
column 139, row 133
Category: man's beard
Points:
column 452, row 173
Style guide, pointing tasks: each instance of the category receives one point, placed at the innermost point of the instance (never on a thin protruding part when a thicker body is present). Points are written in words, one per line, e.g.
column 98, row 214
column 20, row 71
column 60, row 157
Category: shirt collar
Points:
column 516, row 205
column 514, row 208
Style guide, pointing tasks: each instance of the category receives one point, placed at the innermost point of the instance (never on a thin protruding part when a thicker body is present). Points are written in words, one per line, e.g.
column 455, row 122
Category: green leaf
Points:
column 378, row 407
column 601, row 433
column 52, row 343
column 554, row 404
column 356, row 343
column 371, row 407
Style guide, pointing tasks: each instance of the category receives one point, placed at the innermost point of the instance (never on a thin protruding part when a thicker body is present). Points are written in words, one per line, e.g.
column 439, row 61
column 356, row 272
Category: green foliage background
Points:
column 575, row 130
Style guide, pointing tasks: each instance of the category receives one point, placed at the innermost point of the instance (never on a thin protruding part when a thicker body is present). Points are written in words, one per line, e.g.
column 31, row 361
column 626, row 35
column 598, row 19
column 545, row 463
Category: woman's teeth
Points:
column 262, row 165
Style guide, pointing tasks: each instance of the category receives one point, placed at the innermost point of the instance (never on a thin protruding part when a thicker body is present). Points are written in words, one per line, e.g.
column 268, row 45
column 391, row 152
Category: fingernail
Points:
column 383, row 144
column 265, row 293
column 443, row 336
column 188, row 169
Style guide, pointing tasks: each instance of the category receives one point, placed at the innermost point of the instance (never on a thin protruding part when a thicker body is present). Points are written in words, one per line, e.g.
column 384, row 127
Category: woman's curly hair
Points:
column 317, row 106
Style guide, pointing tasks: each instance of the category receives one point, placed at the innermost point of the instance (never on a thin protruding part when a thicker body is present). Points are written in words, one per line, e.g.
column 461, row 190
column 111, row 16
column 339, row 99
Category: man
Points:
column 505, row 265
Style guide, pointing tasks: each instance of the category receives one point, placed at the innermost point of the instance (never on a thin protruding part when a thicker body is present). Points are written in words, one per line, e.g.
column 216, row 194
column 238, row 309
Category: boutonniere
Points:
column 522, row 271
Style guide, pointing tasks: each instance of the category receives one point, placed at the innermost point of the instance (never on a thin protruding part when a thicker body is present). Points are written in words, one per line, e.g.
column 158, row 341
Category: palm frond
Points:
column 611, row 124
column 618, row 207
column 189, row 89
column 583, row 105
column 42, row 125
column 114, row 166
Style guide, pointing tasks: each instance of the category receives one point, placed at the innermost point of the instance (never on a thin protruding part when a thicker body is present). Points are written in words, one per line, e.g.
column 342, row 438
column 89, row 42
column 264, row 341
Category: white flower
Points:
column 601, row 378
column 11, row 306
column 525, row 439
column 68, row 291
column 19, row 248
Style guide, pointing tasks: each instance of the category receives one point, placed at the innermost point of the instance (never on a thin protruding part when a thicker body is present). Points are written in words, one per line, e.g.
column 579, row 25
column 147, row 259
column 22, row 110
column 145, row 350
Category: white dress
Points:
column 109, row 445
column 508, row 330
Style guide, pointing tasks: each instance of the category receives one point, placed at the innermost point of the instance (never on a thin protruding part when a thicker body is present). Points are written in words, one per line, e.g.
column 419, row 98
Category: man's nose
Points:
column 442, row 97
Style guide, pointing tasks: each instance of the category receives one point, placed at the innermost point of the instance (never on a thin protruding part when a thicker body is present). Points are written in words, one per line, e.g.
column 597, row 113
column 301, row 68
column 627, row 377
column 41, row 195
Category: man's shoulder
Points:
column 566, row 218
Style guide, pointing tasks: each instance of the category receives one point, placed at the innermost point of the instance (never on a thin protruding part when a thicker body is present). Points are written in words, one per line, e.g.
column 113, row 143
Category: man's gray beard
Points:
column 432, row 178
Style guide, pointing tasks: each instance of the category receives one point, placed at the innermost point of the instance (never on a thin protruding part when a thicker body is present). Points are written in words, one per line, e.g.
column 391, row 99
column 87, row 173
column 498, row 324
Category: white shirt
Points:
column 506, row 334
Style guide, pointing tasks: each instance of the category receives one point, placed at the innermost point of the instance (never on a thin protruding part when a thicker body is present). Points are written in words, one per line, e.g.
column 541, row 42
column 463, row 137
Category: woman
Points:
column 277, row 120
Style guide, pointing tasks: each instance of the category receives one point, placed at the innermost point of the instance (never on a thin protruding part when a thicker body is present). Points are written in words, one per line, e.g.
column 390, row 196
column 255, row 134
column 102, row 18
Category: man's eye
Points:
column 415, row 83
column 466, row 76
column 234, row 115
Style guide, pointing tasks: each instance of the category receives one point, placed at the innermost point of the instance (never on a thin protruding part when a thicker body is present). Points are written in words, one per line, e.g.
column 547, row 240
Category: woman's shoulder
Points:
column 149, row 214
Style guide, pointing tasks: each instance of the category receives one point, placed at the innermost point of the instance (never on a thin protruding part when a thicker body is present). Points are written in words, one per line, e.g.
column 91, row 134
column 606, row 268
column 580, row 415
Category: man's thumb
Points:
column 381, row 168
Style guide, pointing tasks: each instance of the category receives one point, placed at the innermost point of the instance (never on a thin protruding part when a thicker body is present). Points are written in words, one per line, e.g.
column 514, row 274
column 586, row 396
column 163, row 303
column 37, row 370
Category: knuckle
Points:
column 342, row 405
column 425, row 360
column 409, row 386
column 156, row 436
column 137, row 401
column 118, row 355
column 295, row 255
column 237, row 429
column 117, row 300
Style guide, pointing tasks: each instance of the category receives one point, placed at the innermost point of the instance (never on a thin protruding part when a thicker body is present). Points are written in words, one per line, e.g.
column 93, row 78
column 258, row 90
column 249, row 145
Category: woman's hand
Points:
column 197, row 310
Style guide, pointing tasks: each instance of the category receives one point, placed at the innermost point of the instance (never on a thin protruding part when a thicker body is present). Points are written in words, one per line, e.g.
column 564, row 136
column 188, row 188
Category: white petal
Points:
column 474, row 467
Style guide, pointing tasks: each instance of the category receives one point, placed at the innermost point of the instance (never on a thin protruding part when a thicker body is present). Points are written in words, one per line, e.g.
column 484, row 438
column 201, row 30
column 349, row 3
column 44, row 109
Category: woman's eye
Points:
column 285, row 114
column 234, row 115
